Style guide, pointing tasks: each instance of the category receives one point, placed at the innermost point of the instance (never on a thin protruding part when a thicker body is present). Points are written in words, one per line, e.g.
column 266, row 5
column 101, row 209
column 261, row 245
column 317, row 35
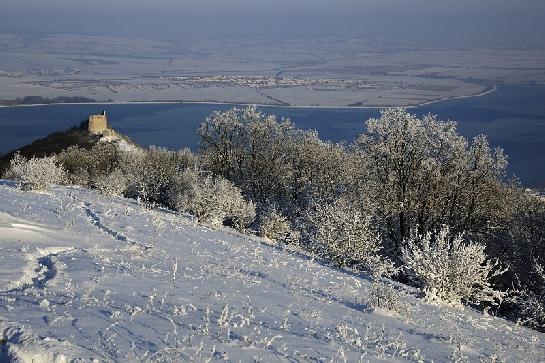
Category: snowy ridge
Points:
column 79, row 281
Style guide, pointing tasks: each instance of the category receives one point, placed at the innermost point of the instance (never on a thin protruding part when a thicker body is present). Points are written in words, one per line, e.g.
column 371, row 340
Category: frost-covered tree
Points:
column 249, row 149
column 450, row 269
column 321, row 171
column 421, row 172
column 35, row 173
column 270, row 160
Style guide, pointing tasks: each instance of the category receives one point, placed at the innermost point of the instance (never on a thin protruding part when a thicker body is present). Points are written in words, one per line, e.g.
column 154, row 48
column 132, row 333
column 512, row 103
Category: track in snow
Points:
column 95, row 220
column 39, row 270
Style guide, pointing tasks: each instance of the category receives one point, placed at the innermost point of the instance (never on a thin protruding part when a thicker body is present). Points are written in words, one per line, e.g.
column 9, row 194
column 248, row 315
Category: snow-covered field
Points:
column 91, row 277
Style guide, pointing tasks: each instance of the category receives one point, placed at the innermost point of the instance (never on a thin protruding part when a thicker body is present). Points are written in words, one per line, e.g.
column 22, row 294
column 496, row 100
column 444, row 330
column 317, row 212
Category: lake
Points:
column 513, row 117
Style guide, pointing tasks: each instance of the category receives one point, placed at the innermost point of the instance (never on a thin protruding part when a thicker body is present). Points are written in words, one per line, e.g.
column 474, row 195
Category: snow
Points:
column 87, row 277
column 124, row 145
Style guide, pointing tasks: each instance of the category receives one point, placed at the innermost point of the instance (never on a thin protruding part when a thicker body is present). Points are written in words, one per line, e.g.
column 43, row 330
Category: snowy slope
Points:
column 91, row 277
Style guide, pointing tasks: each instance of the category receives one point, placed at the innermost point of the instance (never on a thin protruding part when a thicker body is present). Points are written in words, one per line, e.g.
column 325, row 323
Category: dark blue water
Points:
column 513, row 117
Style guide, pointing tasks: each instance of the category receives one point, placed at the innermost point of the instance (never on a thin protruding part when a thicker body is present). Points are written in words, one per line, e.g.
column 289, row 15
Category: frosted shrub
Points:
column 214, row 200
column 206, row 202
column 384, row 296
column 276, row 227
column 87, row 166
column 521, row 241
column 531, row 310
column 75, row 161
column 449, row 269
column 530, row 305
column 35, row 173
column 154, row 174
column 241, row 212
column 344, row 233
column 114, row 183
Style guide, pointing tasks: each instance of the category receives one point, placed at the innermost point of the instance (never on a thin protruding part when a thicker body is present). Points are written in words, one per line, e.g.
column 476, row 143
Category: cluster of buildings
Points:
column 265, row 82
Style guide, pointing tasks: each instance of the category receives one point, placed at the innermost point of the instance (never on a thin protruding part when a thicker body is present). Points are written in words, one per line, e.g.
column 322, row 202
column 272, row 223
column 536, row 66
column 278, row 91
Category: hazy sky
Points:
column 447, row 22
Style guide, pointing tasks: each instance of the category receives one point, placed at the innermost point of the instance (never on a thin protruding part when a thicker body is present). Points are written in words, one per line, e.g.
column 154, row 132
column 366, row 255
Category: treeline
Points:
column 40, row 100
column 409, row 199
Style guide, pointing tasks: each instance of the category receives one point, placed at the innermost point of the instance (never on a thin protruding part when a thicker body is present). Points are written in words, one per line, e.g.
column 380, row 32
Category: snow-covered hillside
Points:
column 93, row 277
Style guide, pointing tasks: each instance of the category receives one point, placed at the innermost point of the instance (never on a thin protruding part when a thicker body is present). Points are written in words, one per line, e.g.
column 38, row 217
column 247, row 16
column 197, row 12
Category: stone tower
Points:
column 98, row 124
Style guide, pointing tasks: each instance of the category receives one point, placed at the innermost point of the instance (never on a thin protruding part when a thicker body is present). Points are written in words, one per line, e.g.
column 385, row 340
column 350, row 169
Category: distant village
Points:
column 267, row 82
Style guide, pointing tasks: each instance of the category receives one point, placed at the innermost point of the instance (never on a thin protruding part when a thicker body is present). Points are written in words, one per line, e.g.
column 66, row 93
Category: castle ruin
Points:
column 98, row 124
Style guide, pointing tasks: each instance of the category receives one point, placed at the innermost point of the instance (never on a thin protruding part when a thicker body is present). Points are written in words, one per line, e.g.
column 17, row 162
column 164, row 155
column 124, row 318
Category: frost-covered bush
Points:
column 449, row 269
column 241, row 211
column 86, row 167
column 520, row 240
column 75, row 161
column 114, row 183
column 345, row 235
column 35, row 173
column 276, row 227
column 213, row 199
column 384, row 296
column 154, row 174
column 529, row 306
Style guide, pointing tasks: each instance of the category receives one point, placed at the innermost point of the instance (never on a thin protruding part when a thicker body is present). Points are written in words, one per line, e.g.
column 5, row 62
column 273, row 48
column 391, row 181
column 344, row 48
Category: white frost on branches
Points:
column 274, row 226
column 35, row 173
column 347, row 237
column 450, row 269
column 214, row 200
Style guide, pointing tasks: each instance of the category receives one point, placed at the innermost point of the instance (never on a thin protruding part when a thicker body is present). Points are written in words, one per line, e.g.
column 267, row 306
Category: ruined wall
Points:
column 98, row 123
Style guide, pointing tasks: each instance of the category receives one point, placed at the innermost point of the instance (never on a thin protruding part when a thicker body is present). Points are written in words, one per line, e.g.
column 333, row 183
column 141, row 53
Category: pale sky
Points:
column 477, row 23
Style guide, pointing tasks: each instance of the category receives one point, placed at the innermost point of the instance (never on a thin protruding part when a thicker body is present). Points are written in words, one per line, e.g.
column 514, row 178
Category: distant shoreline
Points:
column 172, row 102
column 480, row 94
